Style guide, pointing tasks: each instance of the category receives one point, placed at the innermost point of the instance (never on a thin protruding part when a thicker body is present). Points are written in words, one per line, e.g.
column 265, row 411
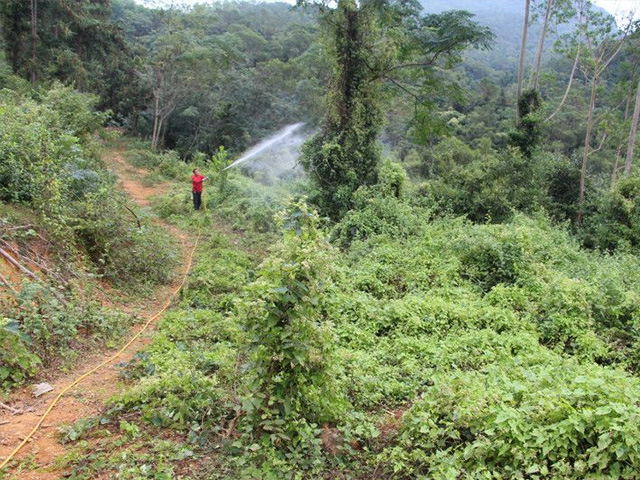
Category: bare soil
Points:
column 89, row 397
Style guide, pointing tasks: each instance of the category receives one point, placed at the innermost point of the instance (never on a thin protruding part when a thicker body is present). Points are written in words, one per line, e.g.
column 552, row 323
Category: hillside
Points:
column 245, row 241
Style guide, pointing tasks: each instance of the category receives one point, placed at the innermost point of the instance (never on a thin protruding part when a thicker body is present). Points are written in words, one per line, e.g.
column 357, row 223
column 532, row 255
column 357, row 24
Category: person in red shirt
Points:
column 196, row 181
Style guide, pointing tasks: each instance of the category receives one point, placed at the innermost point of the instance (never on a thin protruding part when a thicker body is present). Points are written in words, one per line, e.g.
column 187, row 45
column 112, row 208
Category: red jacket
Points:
column 196, row 182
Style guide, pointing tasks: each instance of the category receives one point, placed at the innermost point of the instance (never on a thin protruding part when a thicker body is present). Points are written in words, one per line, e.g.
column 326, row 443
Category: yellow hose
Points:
column 109, row 360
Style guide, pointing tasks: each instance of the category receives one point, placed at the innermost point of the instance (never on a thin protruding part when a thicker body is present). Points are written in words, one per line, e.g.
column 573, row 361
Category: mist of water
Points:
column 282, row 149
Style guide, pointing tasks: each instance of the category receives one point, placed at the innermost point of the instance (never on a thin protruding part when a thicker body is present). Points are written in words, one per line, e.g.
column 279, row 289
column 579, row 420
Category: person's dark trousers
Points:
column 197, row 200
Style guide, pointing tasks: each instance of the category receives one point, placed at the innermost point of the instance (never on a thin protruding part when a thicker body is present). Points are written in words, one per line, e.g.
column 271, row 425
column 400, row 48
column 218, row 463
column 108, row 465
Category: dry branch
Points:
column 42, row 267
column 30, row 274
column 8, row 284
column 19, row 266
column 15, row 411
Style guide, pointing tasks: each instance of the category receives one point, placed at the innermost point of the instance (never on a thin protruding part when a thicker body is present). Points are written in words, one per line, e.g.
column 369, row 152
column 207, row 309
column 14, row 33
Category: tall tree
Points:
column 602, row 43
column 523, row 51
column 73, row 41
column 34, row 40
column 633, row 133
column 533, row 84
column 376, row 43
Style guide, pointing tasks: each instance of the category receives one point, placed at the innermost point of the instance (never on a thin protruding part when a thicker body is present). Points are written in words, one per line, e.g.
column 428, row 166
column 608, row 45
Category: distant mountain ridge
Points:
column 505, row 18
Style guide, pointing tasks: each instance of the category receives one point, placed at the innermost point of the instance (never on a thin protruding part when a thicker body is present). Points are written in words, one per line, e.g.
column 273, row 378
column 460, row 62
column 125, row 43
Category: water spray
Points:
column 265, row 144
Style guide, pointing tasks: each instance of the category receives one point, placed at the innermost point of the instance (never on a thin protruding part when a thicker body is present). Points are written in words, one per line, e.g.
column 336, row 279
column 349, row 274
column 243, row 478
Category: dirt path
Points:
column 88, row 398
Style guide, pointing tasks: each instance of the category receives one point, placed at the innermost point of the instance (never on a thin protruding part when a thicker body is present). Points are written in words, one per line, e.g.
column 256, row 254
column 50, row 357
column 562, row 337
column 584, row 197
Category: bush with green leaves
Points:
column 539, row 417
column 17, row 362
column 220, row 271
column 379, row 210
column 291, row 385
column 124, row 251
column 167, row 164
column 614, row 222
column 42, row 147
column 38, row 328
column 54, row 327
column 50, row 163
column 489, row 187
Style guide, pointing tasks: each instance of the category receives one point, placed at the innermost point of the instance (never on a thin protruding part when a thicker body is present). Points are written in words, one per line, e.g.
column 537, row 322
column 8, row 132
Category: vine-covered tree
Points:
column 373, row 44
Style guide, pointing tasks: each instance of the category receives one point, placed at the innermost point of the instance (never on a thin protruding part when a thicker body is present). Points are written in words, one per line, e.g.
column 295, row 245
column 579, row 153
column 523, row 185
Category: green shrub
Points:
column 220, row 271
column 376, row 214
column 615, row 221
column 123, row 252
column 547, row 420
column 17, row 363
column 167, row 164
column 173, row 205
column 54, row 327
column 180, row 396
column 290, row 384
column 490, row 189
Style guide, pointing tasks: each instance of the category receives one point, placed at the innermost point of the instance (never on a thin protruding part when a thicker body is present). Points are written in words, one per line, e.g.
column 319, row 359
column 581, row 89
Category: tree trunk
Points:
column 34, row 40
column 543, row 34
column 633, row 133
column 587, row 145
column 156, row 118
column 523, row 48
column 627, row 107
column 566, row 93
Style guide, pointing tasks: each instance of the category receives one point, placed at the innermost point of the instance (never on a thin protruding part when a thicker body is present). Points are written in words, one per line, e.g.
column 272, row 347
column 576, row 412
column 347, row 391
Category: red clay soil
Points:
column 88, row 398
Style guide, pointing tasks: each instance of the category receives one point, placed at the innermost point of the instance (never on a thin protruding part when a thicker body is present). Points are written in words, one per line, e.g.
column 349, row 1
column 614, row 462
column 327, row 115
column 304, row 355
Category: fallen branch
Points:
column 232, row 424
column 19, row 266
column 19, row 227
column 15, row 411
column 42, row 267
column 32, row 275
column 8, row 284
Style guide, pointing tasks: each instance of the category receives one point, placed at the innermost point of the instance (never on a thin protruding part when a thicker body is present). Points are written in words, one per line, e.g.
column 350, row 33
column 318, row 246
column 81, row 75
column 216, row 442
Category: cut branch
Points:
column 30, row 274
column 8, row 284
column 15, row 411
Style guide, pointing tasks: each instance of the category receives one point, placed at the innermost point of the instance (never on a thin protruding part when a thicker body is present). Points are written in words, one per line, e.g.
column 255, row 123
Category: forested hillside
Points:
column 417, row 254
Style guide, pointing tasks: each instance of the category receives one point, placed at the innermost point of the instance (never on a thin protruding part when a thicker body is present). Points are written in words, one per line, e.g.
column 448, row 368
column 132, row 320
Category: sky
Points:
column 615, row 7
column 619, row 7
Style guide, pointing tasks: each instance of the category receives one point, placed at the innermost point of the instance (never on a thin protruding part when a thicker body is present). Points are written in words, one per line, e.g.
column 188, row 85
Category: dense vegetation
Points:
column 451, row 291
column 62, row 216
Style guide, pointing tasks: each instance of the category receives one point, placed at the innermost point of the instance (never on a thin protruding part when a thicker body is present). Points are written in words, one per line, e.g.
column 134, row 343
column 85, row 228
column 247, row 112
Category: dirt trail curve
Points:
column 89, row 397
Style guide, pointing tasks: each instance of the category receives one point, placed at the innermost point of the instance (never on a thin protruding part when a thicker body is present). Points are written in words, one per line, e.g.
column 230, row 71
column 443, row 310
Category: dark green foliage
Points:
column 614, row 222
column 379, row 210
column 75, row 43
column 291, row 383
column 345, row 155
column 230, row 74
column 17, row 362
column 370, row 43
column 38, row 328
column 491, row 188
column 527, row 134
column 551, row 419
